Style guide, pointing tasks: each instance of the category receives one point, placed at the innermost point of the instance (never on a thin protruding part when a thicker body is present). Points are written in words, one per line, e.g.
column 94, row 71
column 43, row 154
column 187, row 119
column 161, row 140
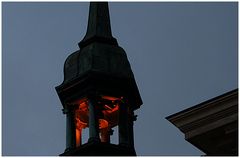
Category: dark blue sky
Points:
column 181, row 54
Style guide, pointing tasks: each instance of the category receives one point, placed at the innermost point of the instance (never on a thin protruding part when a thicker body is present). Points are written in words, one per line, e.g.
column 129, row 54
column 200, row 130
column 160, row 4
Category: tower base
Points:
column 100, row 149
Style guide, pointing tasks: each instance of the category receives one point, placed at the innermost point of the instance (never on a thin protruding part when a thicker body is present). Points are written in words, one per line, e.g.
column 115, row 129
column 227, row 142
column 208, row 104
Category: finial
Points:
column 99, row 27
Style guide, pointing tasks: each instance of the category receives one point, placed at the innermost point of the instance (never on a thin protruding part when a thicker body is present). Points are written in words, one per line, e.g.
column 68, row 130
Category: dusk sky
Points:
column 180, row 53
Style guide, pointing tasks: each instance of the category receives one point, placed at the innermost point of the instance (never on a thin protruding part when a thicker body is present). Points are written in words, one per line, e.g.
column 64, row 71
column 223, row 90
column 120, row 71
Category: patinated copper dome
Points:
column 100, row 65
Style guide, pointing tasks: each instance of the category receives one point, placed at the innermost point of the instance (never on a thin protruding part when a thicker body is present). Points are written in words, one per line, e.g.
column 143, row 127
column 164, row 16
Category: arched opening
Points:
column 81, row 122
column 107, row 112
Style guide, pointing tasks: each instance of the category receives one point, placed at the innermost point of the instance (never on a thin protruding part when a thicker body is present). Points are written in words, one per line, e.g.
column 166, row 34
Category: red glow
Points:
column 110, row 98
column 78, row 137
column 80, row 124
column 103, row 124
column 83, row 106
column 110, row 111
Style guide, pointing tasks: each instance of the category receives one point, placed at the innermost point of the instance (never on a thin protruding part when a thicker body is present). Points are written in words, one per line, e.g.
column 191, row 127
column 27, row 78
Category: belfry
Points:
column 99, row 92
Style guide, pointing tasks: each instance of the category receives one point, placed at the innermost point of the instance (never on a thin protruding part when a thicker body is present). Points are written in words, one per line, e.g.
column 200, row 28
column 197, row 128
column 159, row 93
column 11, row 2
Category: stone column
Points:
column 93, row 119
column 132, row 118
column 123, row 124
column 70, row 128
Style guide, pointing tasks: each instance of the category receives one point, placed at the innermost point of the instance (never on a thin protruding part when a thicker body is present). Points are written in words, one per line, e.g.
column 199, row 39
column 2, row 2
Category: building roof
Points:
column 211, row 126
column 220, row 97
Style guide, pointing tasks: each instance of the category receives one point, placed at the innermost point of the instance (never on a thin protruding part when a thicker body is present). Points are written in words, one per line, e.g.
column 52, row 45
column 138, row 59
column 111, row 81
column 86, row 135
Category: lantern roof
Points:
column 100, row 65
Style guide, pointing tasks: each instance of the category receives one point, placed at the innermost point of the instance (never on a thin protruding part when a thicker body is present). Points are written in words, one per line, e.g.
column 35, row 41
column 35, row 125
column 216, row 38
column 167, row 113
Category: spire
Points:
column 99, row 27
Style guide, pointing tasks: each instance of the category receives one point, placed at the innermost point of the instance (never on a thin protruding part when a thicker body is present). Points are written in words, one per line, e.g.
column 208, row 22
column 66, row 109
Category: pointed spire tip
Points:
column 99, row 26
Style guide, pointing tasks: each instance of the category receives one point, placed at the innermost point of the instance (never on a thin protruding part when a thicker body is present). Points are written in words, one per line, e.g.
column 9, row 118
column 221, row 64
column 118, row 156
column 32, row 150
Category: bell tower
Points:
column 99, row 92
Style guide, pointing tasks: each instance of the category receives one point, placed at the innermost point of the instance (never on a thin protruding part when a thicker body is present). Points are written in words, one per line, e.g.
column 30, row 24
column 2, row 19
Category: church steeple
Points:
column 99, row 27
column 99, row 92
